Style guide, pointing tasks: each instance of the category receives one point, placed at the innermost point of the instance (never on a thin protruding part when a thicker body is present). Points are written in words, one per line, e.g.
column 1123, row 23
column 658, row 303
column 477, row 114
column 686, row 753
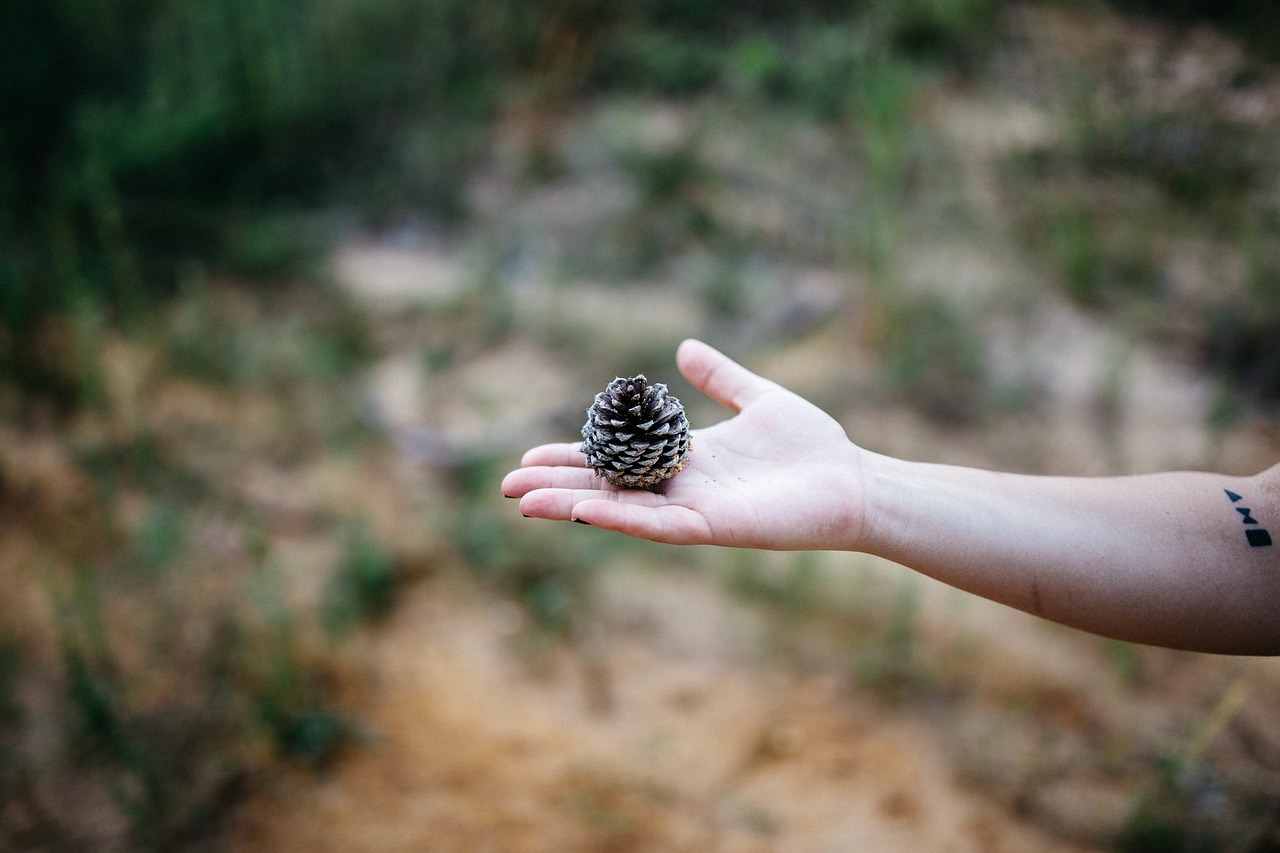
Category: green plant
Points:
column 157, row 133
column 958, row 31
column 1076, row 249
column 289, row 694
column 159, row 539
column 139, row 754
column 363, row 587
column 1125, row 659
column 882, row 93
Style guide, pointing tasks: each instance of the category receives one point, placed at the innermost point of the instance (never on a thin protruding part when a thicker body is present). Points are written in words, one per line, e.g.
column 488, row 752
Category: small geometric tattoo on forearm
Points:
column 1254, row 533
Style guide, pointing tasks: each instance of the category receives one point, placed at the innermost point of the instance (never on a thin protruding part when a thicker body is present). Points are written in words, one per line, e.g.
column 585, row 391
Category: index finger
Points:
column 555, row 455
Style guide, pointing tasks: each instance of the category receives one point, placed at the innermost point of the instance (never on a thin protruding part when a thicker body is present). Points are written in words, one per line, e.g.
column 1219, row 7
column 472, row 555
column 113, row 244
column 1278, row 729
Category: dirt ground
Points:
column 673, row 734
column 674, row 727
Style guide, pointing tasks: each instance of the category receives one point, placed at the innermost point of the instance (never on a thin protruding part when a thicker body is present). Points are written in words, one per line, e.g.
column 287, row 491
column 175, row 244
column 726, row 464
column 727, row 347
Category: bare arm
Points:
column 1167, row 559
column 1178, row 559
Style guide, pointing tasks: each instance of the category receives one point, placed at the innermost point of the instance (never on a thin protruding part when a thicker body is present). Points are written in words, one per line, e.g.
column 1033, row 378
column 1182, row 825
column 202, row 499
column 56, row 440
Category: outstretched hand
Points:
column 1198, row 574
column 780, row 474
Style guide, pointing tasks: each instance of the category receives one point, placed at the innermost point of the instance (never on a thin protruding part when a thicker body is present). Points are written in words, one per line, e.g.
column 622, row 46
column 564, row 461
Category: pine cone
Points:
column 636, row 433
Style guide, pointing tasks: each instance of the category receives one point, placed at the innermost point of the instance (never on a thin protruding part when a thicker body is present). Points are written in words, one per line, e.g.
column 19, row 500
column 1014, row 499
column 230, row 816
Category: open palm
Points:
column 780, row 474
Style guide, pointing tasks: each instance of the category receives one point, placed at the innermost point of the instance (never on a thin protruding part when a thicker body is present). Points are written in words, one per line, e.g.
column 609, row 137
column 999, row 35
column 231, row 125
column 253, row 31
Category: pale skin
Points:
column 1178, row 559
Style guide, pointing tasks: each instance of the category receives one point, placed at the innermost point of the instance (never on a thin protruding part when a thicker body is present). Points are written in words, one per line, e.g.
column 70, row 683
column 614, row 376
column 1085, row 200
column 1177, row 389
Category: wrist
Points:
column 880, row 477
column 908, row 505
column 847, row 525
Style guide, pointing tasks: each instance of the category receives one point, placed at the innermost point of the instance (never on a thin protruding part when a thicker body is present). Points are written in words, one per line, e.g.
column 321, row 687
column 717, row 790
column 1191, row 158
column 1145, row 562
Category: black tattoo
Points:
column 1256, row 536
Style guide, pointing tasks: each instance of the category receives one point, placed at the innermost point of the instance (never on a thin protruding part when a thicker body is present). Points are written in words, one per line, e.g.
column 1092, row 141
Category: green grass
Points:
column 158, row 135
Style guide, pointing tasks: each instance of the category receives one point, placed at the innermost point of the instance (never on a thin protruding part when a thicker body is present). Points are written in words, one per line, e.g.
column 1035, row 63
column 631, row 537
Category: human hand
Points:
column 781, row 474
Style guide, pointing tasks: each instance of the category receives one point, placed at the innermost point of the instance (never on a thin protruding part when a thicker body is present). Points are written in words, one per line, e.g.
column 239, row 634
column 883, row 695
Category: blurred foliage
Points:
column 275, row 340
column 1243, row 339
column 934, row 355
column 1140, row 172
column 147, row 134
column 151, row 133
column 1195, row 810
column 547, row 578
column 162, row 705
column 1191, row 806
column 889, row 662
column 363, row 586
column 1257, row 23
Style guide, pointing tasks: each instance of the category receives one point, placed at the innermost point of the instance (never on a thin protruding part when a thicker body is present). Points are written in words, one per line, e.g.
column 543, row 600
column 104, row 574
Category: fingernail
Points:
column 580, row 521
column 526, row 515
column 505, row 495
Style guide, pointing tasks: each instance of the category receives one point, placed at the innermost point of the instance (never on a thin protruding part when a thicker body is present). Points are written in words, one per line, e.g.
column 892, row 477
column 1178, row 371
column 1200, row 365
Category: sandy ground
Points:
column 673, row 733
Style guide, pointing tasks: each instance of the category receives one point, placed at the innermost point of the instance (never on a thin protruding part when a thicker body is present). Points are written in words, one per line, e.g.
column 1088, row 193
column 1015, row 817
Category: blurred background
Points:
column 287, row 285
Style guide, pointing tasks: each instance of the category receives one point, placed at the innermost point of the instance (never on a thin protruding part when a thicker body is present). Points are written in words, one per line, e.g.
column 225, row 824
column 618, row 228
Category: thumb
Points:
column 720, row 377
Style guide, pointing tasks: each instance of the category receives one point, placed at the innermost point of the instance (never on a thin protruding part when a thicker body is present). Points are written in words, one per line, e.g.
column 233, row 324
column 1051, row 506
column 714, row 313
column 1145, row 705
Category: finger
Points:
column 566, row 453
column 718, row 376
column 524, row 480
column 670, row 523
column 558, row 504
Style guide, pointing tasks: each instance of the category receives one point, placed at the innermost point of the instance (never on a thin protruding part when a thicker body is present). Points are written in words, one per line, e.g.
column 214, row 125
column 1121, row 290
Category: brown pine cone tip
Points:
column 636, row 434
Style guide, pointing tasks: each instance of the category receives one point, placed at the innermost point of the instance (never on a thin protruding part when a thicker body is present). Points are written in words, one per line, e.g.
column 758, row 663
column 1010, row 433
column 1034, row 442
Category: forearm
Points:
column 1165, row 559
